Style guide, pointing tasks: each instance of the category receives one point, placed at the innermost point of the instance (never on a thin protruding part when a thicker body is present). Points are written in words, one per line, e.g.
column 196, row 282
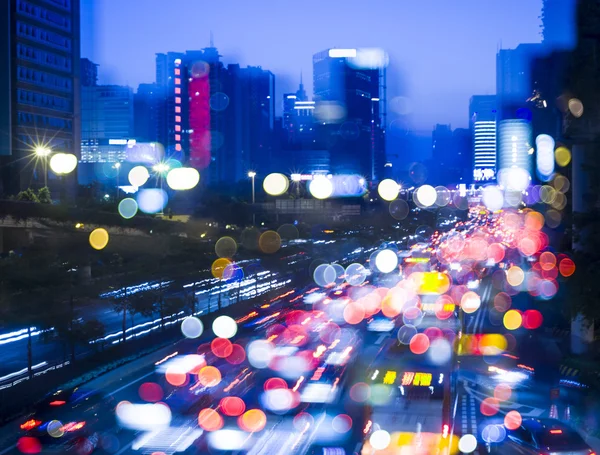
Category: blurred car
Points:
column 68, row 420
column 545, row 437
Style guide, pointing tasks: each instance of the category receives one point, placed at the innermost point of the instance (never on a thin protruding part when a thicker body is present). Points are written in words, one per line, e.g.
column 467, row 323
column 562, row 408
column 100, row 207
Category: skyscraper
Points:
column 482, row 115
column 218, row 119
column 148, row 113
column 39, row 87
column 355, row 138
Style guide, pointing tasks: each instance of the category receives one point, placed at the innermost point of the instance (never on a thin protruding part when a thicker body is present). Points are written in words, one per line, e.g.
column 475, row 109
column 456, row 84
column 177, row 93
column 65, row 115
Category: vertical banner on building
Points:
column 199, row 115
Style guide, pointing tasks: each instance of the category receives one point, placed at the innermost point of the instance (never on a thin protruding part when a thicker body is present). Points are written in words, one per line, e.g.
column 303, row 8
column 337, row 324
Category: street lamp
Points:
column 252, row 174
column 161, row 169
column 117, row 166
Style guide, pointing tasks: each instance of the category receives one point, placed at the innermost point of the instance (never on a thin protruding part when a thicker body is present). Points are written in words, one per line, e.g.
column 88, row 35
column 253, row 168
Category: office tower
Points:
column 355, row 138
column 148, row 113
column 296, row 109
column 514, row 157
column 450, row 157
column 482, row 123
column 106, row 112
column 88, row 73
column 39, row 87
column 218, row 119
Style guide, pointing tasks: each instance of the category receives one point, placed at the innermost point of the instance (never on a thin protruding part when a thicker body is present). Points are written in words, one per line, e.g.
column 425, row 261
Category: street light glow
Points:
column 42, row 151
column 251, row 174
column 161, row 167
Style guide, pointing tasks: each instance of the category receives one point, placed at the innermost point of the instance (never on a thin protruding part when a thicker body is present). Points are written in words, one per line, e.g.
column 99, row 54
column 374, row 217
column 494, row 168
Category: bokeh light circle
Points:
column 99, row 238
column 192, row 327
column 386, row 261
column 512, row 420
column 356, row 274
column 128, row 207
column 224, row 327
column 252, row 421
column 426, row 195
column 512, row 320
column 388, row 189
column 232, row 406
column 276, row 184
column 138, row 176
column 219, row 266
column 225, row 247
column 152, row 200
column 470, row 302
column 210, row 420
column 467, row 443
column 63, row 163
column 183, row 178
column 419, row 344
column 321, row 187
column 209, row 376
column 269, row 242
column 380, row 439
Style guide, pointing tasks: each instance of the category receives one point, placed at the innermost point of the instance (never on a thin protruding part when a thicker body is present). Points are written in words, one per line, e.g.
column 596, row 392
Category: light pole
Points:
column 117, row 166
column 43, row 153
column 252, row 175
column 161, row 169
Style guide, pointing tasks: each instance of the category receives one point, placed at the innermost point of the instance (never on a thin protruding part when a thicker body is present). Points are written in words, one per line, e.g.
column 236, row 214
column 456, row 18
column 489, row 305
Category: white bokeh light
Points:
column 224, row 327
column 183, row 178
column 467, row 443
column 275, row 184
column 493, row 198
column 388, row 189
column 138, row 176
column 192, row 327
column 386, row 261
column 63, row 163
column 426, row 195
column 380, row 439
column 321, row 187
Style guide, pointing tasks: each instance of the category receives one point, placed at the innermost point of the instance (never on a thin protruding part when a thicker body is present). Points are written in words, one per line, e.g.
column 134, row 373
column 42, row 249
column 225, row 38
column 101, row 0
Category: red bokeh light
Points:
column 532, row 319
column 489, row 406
column 28, row 444
column 150, row 391
column 221, row 347
column 210, row 420
column 419, row 343
column 513, row 420
column 232, row 406
column 237, row 356
column 566, row 267
column 275, row 383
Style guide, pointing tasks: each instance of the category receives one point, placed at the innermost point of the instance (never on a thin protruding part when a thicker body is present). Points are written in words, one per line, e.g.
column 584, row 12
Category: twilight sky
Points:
column 441, row 51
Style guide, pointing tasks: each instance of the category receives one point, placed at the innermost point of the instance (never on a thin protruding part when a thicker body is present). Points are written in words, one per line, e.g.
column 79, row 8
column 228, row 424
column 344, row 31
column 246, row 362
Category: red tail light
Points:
column 30, row 424
column 555, row 431
column 57, row 403
column 73, row 426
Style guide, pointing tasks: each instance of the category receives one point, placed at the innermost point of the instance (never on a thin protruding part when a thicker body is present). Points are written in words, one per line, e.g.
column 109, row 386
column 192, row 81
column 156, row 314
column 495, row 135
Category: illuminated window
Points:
column 177, row 71
column 178, row 118
column 178, row 137
column 178, row 128
column 178, row 109
column 178, row 147
column 177, row 81
column 177, row 100
column 177, row 91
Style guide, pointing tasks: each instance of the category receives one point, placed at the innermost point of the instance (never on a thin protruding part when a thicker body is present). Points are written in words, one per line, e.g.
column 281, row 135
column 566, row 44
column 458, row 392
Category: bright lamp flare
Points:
column 63, row 163
column 138, row 176
column 183, row 178
column 275, row 184
column 388, row 190
column 321, row 187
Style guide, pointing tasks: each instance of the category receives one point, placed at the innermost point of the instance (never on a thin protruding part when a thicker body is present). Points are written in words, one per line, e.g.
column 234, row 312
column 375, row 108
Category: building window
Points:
column 177, row 100
column 178, row 128
column 178, row 147
column 178, row 118
column 177, row 72
column 178, row 137
column 178, row 109
column 177, row 81
column 177, row 91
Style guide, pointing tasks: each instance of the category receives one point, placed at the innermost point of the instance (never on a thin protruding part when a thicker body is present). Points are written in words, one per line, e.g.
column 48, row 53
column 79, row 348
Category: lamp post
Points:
column 117, row 166
column 43, row 153
column 252, row 175
column 161, row 169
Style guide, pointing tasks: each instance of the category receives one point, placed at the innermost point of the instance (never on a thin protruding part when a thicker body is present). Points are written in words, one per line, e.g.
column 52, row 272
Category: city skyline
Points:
column 466, row 60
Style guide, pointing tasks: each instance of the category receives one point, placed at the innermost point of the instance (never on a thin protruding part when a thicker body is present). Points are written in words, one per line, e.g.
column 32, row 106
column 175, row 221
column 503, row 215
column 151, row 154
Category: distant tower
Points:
column 558, row 24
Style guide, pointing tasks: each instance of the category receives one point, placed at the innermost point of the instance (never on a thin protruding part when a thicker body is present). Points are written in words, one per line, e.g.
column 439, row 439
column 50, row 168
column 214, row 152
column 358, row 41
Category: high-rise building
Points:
column 148, row 113
column 218, row 119
column 89, row 73
column 106, row 112
column 515, row 152
column 39, row 88
column 559, row 24
column 355, row 138
column 450, row 157
column 482, row 115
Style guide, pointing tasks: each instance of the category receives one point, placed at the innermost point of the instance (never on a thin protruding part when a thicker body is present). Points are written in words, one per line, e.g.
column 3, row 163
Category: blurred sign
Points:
column 416, row 379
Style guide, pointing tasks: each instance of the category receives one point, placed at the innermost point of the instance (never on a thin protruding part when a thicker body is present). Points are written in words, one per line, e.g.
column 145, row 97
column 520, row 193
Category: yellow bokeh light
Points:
column 388, row 189
column 269, row 242
column 275, row 184
column 99, row 238
column 512, row 320
column 562, row 155
column 218, row 267
column 493, row 344
column 515, row 276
